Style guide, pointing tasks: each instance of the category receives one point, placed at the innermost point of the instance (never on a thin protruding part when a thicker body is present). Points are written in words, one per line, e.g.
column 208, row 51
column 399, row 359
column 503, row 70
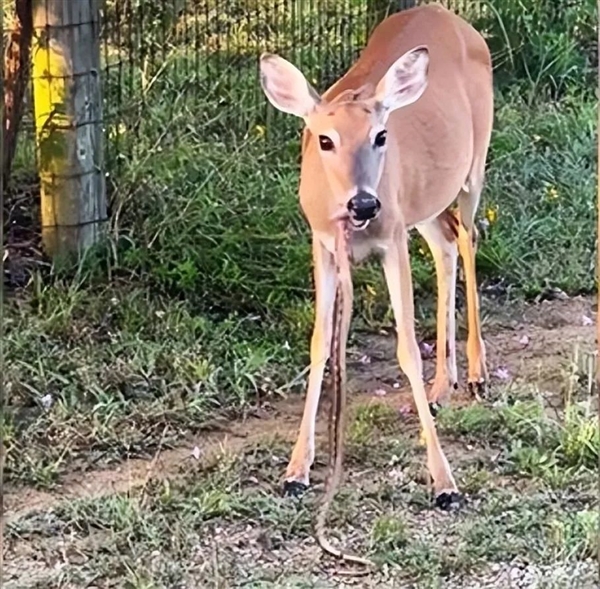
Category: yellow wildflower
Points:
column 491, row 214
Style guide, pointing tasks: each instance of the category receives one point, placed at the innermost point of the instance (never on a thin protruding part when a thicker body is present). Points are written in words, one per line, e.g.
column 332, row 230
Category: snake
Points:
column 342, row 314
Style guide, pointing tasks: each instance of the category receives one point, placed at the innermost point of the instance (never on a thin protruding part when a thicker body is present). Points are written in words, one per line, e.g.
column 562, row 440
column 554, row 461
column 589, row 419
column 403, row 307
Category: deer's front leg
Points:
column 396, row 265
column 297, row 474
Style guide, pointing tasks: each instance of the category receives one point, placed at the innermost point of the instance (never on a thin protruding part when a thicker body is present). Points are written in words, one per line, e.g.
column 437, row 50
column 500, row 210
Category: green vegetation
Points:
column 224, row 519
column 202, row 298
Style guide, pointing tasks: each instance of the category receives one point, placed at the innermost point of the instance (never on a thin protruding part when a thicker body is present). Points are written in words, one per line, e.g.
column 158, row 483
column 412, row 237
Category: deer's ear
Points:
column 405, row 81
column 286, row 87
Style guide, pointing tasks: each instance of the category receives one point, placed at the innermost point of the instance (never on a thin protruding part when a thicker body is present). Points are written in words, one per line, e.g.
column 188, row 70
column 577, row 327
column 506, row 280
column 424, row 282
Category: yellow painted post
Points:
column 69, row 127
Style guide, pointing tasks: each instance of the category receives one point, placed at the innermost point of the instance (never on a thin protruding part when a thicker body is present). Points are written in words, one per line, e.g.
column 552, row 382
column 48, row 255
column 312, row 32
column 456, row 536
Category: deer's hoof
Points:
column 449, row 500
column 294, row 489
column 478, row 389
column 434, row 408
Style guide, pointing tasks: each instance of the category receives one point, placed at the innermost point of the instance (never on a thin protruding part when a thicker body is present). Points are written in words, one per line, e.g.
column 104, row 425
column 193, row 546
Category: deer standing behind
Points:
column 392, row 145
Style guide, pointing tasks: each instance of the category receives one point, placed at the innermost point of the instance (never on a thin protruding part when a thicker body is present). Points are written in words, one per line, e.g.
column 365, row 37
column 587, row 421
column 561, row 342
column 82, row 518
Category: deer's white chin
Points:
column 360, row 225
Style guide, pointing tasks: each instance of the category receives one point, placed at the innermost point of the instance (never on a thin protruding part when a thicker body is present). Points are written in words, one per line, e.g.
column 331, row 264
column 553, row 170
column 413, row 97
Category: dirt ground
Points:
column 530, row 344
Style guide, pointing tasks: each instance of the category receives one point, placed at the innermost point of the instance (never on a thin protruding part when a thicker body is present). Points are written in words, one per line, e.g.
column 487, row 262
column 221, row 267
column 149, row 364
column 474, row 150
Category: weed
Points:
column 543, row 46
column 389, row 534
column 558, row 451
column 373, row 436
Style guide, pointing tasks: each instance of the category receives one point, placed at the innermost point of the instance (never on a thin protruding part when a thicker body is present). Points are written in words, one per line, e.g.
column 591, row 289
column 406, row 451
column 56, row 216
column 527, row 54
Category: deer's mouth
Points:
column 359, row 224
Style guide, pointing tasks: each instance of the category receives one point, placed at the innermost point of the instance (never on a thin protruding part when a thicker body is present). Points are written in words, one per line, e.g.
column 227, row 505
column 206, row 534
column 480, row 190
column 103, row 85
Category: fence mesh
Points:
column 203, row 55
column 198, row 61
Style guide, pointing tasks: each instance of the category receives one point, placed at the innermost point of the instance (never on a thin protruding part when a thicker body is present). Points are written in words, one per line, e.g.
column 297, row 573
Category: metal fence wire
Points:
column 201, row 56
column 196, row 62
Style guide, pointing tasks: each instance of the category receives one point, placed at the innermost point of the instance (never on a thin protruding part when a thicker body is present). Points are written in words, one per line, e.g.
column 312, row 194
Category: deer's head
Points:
column 351, row 128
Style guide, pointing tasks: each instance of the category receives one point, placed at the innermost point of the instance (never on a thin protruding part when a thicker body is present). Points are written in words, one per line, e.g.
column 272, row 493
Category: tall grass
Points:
column 543, row 46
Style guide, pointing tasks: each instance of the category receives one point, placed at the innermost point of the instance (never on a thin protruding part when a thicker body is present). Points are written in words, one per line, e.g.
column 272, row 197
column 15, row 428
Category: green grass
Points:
column 225, row 522
column 559, row 451
column 101, row 371
column 237, row 200
column 541, row 196
column 203, row 298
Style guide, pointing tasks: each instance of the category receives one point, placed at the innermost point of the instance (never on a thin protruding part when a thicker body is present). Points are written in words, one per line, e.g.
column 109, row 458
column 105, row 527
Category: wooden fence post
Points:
column 68, row 122
column 598, row 256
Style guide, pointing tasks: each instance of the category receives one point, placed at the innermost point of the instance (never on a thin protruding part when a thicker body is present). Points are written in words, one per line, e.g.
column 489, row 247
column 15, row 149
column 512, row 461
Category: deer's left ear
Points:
column 405, row 81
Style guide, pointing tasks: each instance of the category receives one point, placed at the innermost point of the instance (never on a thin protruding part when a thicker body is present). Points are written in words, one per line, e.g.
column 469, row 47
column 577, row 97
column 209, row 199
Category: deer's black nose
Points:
column 364, row 206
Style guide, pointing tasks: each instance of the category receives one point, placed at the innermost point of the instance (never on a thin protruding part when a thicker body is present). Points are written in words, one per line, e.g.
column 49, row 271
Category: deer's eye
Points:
column 380, row 138
column 325, row 143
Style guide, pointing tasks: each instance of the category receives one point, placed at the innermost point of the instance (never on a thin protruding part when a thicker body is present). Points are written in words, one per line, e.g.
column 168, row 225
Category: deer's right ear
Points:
column 286, row 87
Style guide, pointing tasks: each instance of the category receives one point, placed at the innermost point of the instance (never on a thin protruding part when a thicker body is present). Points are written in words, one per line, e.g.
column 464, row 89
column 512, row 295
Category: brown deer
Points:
column 391, row 146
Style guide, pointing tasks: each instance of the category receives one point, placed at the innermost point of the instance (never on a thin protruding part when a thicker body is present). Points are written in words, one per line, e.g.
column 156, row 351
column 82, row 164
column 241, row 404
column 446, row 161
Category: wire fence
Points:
column 167, row 63
column 203, row 56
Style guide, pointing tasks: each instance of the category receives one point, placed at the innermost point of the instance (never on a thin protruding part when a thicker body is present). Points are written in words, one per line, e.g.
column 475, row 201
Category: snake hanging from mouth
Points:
column 342, row 313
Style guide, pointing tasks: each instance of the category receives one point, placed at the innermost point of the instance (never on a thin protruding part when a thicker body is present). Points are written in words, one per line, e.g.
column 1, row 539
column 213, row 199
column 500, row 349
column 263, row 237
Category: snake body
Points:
column 342, row 312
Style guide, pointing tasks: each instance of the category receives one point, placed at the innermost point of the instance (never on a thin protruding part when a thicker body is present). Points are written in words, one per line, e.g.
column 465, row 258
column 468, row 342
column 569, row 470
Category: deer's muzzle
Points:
column 363, row 207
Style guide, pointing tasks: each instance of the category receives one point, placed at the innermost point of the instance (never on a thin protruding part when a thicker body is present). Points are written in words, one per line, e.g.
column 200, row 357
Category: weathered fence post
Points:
column 68, row 121
column 598, row 252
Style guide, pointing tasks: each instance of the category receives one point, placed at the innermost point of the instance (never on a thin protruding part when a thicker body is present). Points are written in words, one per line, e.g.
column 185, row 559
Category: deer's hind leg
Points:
column 441, row 236
column 468, row 201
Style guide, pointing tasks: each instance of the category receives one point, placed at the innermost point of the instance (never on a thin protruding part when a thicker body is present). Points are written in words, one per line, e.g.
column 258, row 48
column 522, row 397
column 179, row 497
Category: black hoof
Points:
column 434, row 408
column 478, row 390
column 294, row 489
column 449, row 501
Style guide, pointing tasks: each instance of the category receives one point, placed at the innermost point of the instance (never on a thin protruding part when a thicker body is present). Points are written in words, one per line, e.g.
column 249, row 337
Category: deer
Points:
column 398, row 143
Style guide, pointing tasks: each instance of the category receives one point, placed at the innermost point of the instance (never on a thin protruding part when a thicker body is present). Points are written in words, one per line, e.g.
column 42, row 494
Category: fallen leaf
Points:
column 405, row 410
column 396, row 475
column 502, row 373
column 426, row 350
column 587, row 321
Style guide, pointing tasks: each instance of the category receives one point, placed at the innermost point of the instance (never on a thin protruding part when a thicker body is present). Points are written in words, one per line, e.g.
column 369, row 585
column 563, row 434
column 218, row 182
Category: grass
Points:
column 557, row 453
column 204, row 299
column 539, row 196
column 173, row 532
column 104, row 371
